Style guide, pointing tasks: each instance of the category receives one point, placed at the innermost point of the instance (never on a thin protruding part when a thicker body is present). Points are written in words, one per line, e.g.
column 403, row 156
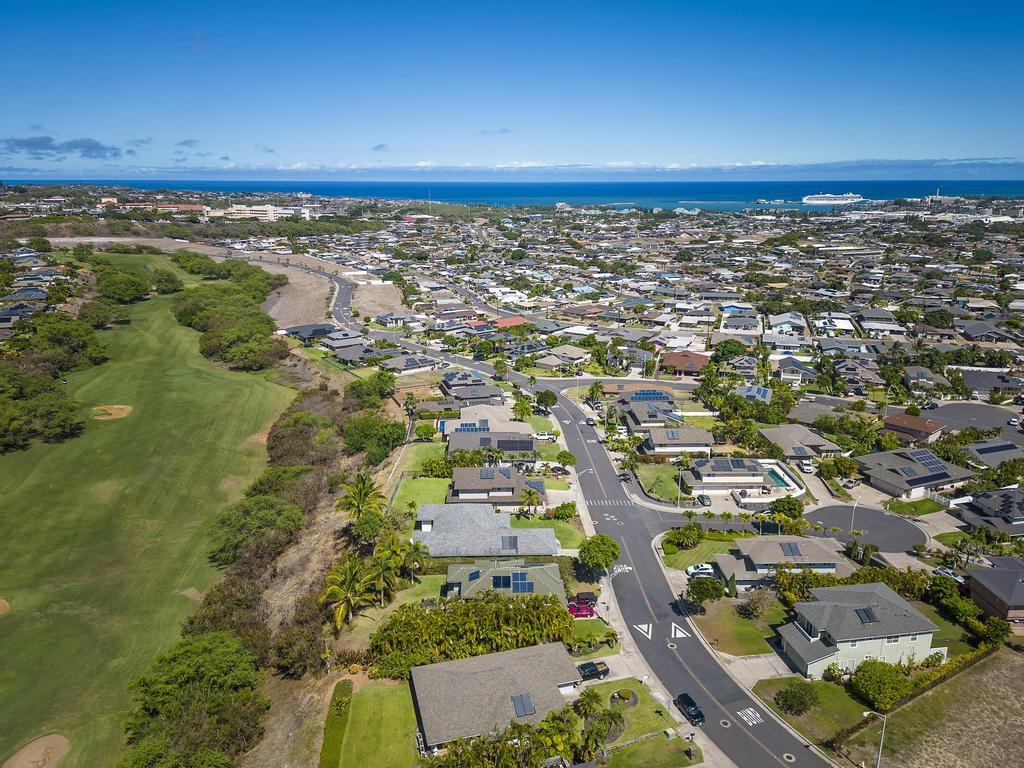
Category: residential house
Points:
column 913, row 429
column 570, row 355
column 1000, row 511
column 677, row 440
column 743, row 365
column 983, row 331
column 506, row 577
column 753, row 562
column 500, row 486
column 684, row 363
column 753, row 394
column 798, row 443
column 472, row 697
column 848, row 625
column 795, row 373
column 514, row 447
column 999, row 590
column 723, row 475
column 910, row 474
column 476, row 530
column 919, row 378
column 307, row 334
column 484, row 418
column 988, row 382
column 402, row 364
column 787, row 323
column 785, row 343
column 863, row 373
column 993, row 452
column 356, row 354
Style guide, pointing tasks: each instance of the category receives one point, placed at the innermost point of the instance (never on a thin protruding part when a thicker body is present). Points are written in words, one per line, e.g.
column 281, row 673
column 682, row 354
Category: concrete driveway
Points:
column 888, row 532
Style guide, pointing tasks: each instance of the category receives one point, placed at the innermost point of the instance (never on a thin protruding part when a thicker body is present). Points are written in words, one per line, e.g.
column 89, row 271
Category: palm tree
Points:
column 690, row 515
column 345, row 590
column 410, row 404
column 382, row 573
column 610, row 638
column 521, row 409
column 361, row 495
column 531, row 499
column 589, row 703
column 415, row 558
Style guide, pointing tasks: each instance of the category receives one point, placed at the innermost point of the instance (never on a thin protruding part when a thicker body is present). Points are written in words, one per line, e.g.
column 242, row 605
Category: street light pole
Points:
column 854, row 512
column 881, row 741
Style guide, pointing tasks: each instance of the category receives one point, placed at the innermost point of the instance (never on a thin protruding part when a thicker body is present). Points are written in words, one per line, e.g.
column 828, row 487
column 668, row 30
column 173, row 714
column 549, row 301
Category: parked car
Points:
column 578, row 611
column 704, row 500
column 580, row 373
column 544, row 436
column 558, row 470
column 584, row 598
column 807, row 467
column 593, row 670
column 691, row 711
column 693, row 570
column 591, row 422
column 703, row 575
column 625, row 477
column 949, row 573
column 1013, row 422
column 930, row 406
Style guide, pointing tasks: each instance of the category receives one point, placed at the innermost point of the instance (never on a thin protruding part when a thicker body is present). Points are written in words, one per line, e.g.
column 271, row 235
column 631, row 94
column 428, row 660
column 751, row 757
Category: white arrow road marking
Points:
column 750, row 716
column 643, row 629
column 678, row 631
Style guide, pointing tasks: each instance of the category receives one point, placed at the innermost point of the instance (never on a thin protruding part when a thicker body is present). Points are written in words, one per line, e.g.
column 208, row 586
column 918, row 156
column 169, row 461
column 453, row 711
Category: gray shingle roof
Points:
column 476, row 530
column 835, row 610
column 471, row 697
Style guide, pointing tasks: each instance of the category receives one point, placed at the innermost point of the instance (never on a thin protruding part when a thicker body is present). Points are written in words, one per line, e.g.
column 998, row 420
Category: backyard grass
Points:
column 382, row 727
column 914, row 508
column 703, row 553
column 648, row 716
column 701, row 422
column 950, row 635
column 104, row 532
column 417, row 453
column 730, row 633
column 422, row 490
column 656, row 752
column 836, row 708
column 660, row 480
column 568, row 532
column 365, row 622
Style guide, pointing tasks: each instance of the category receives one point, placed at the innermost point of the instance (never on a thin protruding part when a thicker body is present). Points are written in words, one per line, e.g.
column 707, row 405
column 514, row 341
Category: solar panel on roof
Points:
column 790, row 549
column 998, row 448
column 474, row 575
column 486, row 473
column 518, row 576
column 523, row 704
column 673, row 434
column 866, row 615
column 509, row 542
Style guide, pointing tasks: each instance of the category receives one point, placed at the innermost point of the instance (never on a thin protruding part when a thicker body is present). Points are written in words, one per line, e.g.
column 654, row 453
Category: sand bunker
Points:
column 110, row 412
column 192, row 594
column 4, row 606
column 44, row 752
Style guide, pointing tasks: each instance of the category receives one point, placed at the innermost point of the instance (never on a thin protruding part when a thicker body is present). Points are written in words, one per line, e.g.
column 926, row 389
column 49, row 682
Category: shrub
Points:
column 932, row 660
column 564, row 511
column 249, row 519
column 687, row 537
column 880, row 685
column 797, row 697
column 833, row 673
column 668, row 547
column 754, row 602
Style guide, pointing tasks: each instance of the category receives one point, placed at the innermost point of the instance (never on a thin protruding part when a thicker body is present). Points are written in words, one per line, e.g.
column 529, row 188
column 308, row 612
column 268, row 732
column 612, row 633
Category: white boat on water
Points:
column 846, row 199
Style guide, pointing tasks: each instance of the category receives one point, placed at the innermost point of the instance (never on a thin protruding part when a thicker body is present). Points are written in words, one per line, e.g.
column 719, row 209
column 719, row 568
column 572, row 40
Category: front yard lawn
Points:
column 914, row 508
column 593, row 630
column 734, row 634
column 655, row 753
column 648, row 716
column 568, row 532
column 703, row 553
column 382, row 727
column 660, row 480
column 836, row 708
column 422, row 490
column 541, row 424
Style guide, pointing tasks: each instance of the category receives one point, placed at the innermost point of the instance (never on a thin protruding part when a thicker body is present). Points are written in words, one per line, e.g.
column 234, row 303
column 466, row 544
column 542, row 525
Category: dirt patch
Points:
column 44, row 752
column 5, row 606
column 192, row 594
column 260, row 438
column 305, row 299
column 233, row 484
column 110, row 412
column 373, row 300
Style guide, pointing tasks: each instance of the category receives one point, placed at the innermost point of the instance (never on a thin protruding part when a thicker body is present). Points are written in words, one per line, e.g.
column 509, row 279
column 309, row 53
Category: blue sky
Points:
column 480, row 89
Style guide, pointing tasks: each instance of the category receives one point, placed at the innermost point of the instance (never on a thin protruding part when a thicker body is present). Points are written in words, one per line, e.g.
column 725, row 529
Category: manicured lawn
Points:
column 702, row 422
column 914, row 508
column 101, row 534
column 949, row 538
column 660, row 480
column 568, row 532
column 144, row 261
column 648, row 716
column 735, row 635
column 417, row 453
column 836, row 708
column 656, row 752
column 541, row 423
column 837, row 490
column 382, row 727
column 365, row 622
column 422, row 490
column 593, row 630
column 949, row 634
column 703, row 553
column 554, row 484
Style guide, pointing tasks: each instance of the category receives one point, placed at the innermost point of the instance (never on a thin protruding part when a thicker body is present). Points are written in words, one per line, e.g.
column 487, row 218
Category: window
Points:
column 913, row 638
column 853, row 643
column 891, row 640
column 474, row 575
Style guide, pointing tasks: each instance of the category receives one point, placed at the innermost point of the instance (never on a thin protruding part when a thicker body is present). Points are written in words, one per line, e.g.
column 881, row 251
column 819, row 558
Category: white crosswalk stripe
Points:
column 750, row 716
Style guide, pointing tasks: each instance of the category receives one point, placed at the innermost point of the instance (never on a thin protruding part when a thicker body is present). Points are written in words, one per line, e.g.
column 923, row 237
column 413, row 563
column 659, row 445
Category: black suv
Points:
column 689, row 708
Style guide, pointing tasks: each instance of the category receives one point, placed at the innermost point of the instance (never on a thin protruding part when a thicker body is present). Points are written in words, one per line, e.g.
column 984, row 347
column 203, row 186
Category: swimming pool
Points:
column 777, row 480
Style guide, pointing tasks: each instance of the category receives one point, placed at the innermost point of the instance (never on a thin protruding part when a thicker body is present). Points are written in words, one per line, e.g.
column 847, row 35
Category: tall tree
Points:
column 345, row 590
column 361, row 495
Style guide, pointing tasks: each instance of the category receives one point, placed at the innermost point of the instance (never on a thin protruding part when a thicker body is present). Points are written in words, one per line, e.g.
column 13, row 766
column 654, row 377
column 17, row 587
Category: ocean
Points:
column 715, row 195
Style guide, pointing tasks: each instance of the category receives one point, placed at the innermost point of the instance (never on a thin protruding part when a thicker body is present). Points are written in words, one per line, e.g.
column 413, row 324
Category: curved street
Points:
column 736, row 723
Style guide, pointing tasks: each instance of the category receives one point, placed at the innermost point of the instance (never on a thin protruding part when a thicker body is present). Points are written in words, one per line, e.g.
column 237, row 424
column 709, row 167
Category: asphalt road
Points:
column 737, row 723
column 980, row 415
column 888, row 532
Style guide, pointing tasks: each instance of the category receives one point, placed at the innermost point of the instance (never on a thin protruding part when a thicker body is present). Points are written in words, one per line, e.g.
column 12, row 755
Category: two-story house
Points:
column 849, row 625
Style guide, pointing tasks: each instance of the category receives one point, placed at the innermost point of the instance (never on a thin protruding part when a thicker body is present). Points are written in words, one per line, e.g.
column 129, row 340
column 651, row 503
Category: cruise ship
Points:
column 849, row 197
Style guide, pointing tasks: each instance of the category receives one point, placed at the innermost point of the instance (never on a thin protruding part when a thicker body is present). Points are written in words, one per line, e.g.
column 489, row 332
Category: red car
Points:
column 581, row 611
